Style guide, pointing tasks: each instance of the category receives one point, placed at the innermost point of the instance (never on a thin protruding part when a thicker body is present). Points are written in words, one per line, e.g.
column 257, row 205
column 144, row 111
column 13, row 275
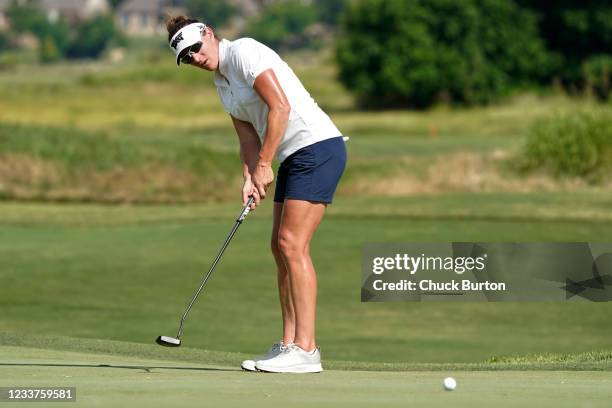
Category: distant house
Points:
column 146, row 17
column 74, row 10
column 4, row 4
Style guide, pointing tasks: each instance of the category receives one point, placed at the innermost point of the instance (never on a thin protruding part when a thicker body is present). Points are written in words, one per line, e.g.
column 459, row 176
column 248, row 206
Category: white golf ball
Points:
column 449, row 383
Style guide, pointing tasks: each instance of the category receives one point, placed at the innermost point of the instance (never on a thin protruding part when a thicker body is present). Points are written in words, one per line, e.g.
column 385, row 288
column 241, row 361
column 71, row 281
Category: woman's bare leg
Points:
column 298, row 222
column 284, row 288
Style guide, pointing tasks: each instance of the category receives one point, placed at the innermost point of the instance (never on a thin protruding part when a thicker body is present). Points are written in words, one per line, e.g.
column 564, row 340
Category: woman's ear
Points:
column 208, row 33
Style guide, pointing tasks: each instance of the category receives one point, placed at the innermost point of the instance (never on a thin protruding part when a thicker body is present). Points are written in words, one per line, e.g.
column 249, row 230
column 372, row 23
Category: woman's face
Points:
column 208, row 56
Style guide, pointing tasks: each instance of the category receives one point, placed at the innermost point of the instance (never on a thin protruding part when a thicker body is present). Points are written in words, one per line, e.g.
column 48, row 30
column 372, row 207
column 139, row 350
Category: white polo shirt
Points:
column 240, row 62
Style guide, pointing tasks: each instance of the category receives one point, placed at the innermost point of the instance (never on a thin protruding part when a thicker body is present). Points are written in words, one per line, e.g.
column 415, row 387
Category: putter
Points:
column 168, row 341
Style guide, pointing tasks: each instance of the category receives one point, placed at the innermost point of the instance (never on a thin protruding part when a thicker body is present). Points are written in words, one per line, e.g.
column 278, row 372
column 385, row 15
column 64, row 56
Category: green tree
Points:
column 213, row 12
column 282, row 22
column 576, row 31
column 92, row 37
column 329, row 11
column 597, row 71
column 412, row 53
column 28, row 18
column 5, row 43
column 116, row 3
column 49, row 50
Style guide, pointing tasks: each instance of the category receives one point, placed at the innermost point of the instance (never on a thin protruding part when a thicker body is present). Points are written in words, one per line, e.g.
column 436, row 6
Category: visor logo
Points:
column 177, row 40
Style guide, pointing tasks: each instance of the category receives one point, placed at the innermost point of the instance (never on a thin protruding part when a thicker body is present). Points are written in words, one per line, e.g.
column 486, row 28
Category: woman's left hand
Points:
column 262, row 178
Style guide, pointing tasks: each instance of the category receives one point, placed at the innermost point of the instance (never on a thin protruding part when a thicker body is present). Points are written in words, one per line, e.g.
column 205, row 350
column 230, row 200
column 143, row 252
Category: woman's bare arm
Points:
column 250, row 146
column 270, row 90
column 267, row 86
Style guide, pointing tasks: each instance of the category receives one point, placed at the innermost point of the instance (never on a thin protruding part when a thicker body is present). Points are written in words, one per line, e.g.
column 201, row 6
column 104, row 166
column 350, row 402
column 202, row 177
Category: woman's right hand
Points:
column 249, row 190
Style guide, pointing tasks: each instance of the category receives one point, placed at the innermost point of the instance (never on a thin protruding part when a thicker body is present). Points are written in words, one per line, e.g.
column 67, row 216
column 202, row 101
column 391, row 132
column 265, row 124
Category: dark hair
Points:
column 173, row 24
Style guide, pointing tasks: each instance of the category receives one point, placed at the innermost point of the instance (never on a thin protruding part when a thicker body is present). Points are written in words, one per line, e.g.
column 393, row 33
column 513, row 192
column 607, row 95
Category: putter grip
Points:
column 246, row 209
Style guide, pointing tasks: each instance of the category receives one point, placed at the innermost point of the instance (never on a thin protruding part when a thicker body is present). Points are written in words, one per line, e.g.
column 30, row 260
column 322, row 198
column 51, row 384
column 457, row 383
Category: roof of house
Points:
column 4, row 4
column 65, row 5
column 154, row 6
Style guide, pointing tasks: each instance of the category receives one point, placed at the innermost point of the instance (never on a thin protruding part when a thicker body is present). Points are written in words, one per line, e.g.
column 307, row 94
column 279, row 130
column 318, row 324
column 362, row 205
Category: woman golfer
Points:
column 274, row 116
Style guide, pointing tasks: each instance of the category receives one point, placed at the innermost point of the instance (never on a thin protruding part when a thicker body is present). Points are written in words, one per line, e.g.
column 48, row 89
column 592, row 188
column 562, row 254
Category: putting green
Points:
column 114, row 380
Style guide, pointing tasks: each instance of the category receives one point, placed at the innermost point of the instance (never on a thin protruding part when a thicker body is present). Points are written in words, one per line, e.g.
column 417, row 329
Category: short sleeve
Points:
column 251, row 59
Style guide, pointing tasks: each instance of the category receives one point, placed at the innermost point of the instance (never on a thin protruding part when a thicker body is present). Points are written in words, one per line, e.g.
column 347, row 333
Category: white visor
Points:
column 185, row 38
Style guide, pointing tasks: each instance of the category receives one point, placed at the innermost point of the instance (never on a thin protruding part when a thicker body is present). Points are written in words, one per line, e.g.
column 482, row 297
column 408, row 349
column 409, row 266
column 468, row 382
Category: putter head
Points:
column 168, row 341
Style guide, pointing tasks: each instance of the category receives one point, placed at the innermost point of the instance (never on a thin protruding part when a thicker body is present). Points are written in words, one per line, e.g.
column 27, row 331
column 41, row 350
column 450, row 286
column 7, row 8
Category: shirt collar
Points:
column 224, row 46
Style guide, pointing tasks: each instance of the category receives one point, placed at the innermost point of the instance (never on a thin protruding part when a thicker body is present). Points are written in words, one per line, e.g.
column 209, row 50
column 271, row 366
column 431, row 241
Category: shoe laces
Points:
column 288, row 348
column 280, row 346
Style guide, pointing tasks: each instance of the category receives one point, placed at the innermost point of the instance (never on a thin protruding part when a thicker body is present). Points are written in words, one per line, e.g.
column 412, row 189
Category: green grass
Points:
column 145, row 151
column 102, row 150
column 588, row 361
column 564, row 207
column 58, row 164
column 86, row 288
column 102, row 272
column 123, row 374
column 547, row 358
column 154, row 133
column 579, row 144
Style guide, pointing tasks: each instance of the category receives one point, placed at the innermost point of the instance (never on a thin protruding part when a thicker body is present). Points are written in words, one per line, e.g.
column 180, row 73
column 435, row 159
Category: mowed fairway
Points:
column 105, row 380
column 126, row 273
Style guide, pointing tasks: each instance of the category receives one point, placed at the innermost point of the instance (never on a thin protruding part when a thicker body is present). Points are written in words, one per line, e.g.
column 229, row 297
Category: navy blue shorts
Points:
column 312, row 173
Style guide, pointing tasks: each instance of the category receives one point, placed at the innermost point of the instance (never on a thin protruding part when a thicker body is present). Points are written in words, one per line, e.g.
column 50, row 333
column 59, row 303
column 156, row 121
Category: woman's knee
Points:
column 290, row 245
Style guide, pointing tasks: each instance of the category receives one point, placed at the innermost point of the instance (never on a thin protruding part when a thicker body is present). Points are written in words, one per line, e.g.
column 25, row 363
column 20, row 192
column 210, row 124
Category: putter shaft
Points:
column 245, row 211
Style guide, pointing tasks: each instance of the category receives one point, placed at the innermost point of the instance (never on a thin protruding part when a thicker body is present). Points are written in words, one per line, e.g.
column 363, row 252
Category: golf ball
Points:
column 449, row 383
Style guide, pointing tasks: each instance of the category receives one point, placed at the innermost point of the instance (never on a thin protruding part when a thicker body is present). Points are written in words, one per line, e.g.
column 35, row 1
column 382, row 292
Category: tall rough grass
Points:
column 578, row 144
column 66, row 164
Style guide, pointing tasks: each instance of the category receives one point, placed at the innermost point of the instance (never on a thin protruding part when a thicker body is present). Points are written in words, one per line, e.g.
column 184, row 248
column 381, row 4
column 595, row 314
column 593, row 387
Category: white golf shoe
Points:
column 275, row 350
column 292, row 359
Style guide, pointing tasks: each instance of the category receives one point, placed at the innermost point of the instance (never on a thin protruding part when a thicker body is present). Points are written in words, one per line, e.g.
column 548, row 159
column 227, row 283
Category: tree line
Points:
column 416, row 53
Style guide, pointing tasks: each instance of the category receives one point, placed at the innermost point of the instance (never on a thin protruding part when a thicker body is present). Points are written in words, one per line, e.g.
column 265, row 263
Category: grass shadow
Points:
column 132, row 367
